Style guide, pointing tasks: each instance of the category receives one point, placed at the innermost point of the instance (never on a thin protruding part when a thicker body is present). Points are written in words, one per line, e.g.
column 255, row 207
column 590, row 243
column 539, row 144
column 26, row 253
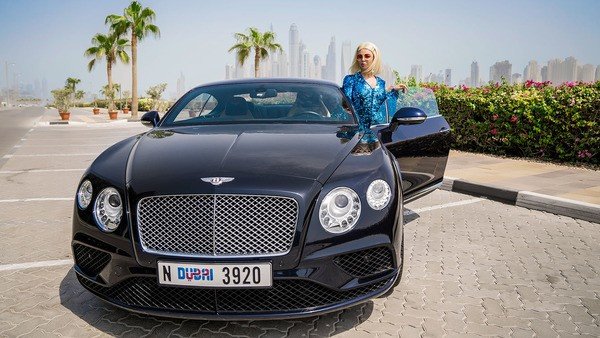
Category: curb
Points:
column 526, row 199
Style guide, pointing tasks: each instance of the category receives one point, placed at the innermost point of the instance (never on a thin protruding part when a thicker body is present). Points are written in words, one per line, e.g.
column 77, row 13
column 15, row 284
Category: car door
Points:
column 420, row 149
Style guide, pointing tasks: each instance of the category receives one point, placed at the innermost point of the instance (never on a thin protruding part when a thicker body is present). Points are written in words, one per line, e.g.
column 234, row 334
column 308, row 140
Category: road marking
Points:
column 43, row 264
column 442, row 206
column 37, row 171
column 63, row 155
column 41, row 199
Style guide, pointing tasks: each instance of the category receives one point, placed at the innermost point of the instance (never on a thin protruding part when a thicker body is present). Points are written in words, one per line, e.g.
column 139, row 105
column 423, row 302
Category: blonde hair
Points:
column 375, row 67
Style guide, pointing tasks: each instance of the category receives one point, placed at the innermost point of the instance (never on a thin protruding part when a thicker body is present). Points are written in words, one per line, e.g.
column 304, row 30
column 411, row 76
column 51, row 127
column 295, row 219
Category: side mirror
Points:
column 406, row 116
column 150, row 119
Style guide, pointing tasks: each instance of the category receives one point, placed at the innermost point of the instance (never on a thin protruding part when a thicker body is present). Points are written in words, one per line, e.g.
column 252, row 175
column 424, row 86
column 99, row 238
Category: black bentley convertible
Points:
column 256, row 199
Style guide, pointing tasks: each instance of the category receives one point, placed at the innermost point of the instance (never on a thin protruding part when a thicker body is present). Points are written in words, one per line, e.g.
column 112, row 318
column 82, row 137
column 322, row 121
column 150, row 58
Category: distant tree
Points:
column 112, row 48
column 260, row 43
column 155, row 93
column 136, row 20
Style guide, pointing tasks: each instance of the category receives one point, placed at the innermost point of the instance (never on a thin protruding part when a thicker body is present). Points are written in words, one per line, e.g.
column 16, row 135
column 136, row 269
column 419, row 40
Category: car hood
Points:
column 272, row 156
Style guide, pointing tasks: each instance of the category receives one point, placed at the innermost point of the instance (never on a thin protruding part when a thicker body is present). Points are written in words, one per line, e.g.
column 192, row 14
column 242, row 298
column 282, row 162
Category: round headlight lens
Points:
column 378, row 194
column 108, row 209
column 84, row 194
column 340, row 210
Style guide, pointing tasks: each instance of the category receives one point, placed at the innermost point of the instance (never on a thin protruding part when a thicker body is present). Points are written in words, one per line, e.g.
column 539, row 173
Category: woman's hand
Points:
column 398, row 87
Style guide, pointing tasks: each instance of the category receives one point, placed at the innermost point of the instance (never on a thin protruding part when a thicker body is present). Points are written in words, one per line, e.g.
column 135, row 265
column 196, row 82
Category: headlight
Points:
column 108, row 209
column 339, row 210
column 378, row 194
column 84, row 194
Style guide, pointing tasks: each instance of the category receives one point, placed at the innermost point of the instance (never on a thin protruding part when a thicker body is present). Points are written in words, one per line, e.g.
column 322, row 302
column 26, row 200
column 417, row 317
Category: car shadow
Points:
column 118, row 322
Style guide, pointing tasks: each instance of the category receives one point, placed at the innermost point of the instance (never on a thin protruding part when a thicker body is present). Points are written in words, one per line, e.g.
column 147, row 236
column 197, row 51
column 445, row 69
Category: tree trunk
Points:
column 111, row 103
column 256, row 61
column 134, row 84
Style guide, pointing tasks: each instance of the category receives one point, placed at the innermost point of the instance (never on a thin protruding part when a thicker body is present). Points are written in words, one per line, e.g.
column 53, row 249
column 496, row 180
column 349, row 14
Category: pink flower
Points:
column 514, row 119
column 494, row 132
column 584, row 154
column 494, row 117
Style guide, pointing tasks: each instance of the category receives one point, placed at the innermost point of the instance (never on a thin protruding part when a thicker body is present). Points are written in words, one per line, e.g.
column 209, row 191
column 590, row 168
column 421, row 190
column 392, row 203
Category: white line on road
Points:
column 22, row 266
column 442, row 206
column 41, row 199
column 37, row 171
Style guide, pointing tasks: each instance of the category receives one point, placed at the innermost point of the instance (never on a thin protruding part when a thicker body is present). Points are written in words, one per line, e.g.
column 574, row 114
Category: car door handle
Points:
column 444, row 129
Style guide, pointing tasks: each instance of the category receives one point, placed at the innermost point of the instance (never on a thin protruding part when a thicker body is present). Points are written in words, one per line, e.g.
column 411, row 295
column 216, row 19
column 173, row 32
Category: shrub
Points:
column 530, row 120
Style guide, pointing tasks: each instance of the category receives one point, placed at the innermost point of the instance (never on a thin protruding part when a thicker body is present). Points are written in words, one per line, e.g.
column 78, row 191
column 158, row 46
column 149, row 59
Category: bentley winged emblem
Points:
column 217, row 180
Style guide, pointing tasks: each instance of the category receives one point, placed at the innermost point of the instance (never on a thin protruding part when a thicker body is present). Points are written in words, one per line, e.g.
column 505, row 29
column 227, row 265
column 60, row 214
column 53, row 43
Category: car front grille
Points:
column 217, row 225
column 285, row 295
column 91, row 261
column 366, row 262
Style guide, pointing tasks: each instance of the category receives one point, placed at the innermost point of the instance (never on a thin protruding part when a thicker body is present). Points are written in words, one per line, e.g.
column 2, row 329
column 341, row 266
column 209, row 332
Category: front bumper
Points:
column 115, row 277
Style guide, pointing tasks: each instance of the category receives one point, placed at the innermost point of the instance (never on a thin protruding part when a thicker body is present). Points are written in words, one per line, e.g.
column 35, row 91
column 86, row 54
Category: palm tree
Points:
column 262, row 43
column 138, row 21
column 111, row 47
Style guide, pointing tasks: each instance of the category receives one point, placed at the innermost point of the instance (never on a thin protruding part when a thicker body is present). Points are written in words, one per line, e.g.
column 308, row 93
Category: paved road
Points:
column 16, row 123
column 473, row 266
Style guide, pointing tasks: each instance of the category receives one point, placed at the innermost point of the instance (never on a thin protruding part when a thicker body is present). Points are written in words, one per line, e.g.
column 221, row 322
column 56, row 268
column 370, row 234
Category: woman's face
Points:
column 364, row 58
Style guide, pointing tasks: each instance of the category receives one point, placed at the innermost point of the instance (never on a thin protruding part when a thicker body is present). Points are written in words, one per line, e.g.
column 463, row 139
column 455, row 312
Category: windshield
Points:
column 416, row 97
column 261, row 102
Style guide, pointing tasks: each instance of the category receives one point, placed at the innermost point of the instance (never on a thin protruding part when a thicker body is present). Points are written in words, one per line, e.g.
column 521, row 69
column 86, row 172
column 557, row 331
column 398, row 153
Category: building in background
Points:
column 346, row 59
column 294, row 51
column 500, row 71
column 598, row 73
column 448, row 77
column 181, row 85
column 416, row 72
column 562, row 71
column 516, row 78
column 532, row 72
column 474, row 79
column 586, row 73
column 330, row 62
column 318, row 67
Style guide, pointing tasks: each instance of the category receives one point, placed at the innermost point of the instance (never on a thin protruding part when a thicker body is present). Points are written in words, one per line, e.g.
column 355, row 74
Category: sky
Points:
column 46, row 39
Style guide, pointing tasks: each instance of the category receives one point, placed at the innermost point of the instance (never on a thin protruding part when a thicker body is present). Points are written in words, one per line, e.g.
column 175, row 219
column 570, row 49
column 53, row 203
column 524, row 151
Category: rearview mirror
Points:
column 150, row 119
column 263, row 94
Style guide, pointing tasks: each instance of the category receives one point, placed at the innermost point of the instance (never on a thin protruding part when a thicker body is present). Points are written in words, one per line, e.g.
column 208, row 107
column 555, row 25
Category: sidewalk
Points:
column 84, row 116
column 557, row 189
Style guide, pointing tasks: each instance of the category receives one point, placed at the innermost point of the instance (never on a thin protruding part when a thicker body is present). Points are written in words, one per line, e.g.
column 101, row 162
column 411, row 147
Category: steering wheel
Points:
column 307, row 114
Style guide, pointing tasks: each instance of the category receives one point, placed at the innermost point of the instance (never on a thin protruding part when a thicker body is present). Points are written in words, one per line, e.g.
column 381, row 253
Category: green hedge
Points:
column 144, row 104
column 533, row 120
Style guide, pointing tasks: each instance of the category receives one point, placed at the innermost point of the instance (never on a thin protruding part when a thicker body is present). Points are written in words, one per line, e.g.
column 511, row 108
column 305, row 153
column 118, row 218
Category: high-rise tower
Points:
column 294, row 51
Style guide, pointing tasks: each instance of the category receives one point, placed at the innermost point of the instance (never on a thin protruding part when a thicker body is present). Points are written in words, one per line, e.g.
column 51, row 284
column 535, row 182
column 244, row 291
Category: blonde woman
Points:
column 365, row 89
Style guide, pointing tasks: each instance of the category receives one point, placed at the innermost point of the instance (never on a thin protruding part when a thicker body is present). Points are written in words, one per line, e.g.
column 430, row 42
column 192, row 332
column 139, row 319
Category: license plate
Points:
column 239, row 275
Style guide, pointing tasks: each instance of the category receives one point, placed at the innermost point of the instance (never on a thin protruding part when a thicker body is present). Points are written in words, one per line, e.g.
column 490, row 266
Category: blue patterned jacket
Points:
column 366, row 100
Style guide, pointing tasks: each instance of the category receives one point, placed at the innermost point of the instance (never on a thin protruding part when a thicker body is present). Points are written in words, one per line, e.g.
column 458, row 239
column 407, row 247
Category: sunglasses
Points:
column 363, row 56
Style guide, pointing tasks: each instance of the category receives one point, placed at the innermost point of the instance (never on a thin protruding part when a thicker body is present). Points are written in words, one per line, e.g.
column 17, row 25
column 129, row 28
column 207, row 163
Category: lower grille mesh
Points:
column 285, row 295
column 366, row 262
column 91, row 261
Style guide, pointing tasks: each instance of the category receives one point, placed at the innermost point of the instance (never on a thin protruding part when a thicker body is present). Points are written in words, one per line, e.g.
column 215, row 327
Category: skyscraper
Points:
column 598, row 73
column 562, row 71
column 283, row 65
column 346, row 58
column 501, row 71
column 318, row 67
column 301, row 64
column 474, row 74
column 330, row 62
column 416, row 72
column 532, row 72
column 544, row 73
column 180, row 85
column 587, row 73
column 294, row 51
column 229, row 73
column 448, row 77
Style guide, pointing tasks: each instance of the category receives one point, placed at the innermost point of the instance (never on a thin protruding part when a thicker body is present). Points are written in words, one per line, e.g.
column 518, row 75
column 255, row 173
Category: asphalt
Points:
column 558, row 189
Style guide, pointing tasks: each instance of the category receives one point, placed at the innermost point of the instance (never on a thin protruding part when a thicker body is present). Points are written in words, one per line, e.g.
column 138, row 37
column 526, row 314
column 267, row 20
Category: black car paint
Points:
column 311, row 160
